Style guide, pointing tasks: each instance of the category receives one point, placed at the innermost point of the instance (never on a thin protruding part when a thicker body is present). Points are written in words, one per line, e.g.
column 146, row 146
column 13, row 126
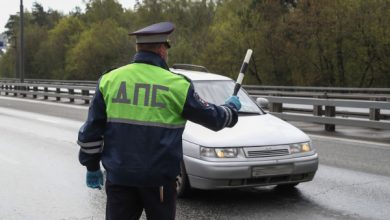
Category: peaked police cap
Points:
column 155, row 33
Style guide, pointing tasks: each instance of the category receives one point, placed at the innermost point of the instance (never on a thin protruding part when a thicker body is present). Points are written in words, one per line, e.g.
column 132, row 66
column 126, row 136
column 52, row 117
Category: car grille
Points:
column 270, row 180
column 273, row 151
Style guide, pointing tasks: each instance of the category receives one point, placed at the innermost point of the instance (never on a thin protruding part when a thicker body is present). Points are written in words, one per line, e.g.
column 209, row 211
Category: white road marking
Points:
column 368, row 143
column 45, row 102
column 48, row 120
column 20, row 117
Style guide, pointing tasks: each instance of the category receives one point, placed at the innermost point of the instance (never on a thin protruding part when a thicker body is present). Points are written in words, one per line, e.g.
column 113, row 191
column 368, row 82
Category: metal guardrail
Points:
column 60, row 92
column 51, row 81
column 324, row 112
column 318, row 89
column 320, row 103
column 373, row 94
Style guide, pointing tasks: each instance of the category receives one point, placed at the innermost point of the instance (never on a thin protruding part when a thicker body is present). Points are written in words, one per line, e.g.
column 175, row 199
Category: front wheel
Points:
column 183, row 187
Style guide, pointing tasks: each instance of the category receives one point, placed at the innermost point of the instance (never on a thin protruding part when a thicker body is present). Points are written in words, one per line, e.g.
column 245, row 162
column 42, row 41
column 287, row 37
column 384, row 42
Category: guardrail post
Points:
column 35, row 89
column 15, row 88
column 58, row 91
column 374, row 113
column 317, row 109
column 24, row 90
column 330, row 111
column 45, row 90
column 71, row 92
column 85, row 93
column 276, row 107
column 6, row 89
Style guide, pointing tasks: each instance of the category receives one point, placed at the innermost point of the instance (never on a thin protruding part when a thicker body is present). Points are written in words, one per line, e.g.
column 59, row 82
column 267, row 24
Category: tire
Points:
column 183, row 187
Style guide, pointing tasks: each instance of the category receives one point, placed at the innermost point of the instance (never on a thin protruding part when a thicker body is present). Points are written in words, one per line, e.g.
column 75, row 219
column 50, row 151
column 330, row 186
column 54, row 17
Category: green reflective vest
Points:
column 144, row 94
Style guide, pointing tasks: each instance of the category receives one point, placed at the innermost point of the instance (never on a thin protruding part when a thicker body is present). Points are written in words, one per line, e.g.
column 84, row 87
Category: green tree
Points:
column 305, row 42
column 228, row 40
column 8, row 64
column 35, row 35
column 100, row 10
column 192, row 20
column 149, row 12
column 309, row 31
column 103, row 46
column 338, row 43
column 50, row 59
column 37, row 25
column 224, row 41
column 8, row 60
column 371, row 35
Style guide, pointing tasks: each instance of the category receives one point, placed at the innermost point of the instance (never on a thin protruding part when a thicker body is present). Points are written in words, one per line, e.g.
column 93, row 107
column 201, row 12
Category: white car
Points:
column 259, row 150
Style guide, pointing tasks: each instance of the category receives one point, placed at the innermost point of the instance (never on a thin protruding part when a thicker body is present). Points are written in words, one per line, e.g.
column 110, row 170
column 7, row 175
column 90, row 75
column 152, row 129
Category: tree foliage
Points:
column 295, row 42
column 51, row 56
column 105, row 45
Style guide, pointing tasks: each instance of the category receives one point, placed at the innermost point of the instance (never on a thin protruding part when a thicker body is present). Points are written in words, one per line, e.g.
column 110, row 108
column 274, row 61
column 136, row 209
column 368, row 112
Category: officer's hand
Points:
column 95, row 179
column 234, row 101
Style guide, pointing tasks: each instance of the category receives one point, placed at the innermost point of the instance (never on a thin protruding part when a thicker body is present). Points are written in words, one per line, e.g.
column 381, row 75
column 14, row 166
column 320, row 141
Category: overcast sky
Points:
column 8, row 7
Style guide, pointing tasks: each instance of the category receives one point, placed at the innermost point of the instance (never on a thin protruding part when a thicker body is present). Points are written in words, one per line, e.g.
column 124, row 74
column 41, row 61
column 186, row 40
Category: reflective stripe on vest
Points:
column 144, row 94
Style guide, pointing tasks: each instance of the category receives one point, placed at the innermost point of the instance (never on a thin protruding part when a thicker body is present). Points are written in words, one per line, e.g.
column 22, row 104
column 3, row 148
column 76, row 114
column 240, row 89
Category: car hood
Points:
column 253, row 130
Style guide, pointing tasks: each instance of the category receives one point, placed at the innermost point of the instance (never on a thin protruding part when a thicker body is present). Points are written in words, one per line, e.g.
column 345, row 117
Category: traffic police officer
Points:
column 134, row 127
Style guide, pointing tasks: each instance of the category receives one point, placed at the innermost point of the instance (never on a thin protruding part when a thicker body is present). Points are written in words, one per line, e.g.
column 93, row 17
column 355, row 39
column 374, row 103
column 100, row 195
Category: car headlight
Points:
column 219, row 152
column 300, row 148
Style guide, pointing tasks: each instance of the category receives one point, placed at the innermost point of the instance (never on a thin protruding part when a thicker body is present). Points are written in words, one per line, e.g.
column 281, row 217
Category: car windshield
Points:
column 217, row 92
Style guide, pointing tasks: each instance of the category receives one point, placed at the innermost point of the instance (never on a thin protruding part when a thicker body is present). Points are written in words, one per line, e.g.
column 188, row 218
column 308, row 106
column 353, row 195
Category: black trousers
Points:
column 127, row 203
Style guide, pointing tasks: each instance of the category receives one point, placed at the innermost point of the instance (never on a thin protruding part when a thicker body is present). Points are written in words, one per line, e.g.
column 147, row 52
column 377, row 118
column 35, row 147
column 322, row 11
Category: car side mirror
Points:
column 262, row 102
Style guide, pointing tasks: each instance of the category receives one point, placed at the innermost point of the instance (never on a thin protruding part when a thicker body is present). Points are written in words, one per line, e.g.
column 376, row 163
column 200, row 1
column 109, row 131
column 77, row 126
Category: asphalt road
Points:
column 40, row 177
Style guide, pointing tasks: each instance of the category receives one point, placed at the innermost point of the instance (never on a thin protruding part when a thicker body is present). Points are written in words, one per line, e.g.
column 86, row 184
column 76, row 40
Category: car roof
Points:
column 198, row 75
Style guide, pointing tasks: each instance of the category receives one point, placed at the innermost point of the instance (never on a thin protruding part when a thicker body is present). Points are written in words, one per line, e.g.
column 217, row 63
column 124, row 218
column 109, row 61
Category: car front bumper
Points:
column 219, row 175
